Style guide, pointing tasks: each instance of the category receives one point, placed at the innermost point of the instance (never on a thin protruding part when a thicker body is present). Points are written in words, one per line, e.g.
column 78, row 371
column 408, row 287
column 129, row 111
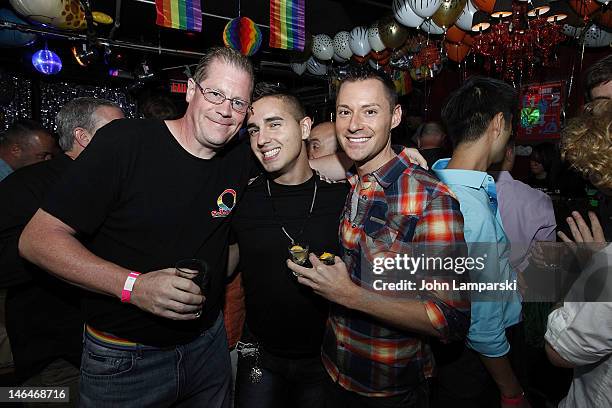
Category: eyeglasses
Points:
column 217, row 97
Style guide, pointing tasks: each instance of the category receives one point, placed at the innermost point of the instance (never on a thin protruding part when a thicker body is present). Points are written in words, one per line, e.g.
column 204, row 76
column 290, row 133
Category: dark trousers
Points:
column 295, row 383
column 338, row 397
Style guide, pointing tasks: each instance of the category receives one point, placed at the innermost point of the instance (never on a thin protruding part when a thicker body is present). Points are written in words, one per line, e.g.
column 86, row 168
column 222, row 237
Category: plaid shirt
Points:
column 398, row 205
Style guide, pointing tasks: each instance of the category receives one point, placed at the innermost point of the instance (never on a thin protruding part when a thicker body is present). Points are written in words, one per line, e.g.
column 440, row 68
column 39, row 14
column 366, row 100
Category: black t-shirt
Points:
column 287, row 318
column 144, row 203
column 43, row 317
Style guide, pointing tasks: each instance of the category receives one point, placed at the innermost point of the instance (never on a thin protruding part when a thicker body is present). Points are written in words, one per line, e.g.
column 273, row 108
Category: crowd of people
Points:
column 301, row 216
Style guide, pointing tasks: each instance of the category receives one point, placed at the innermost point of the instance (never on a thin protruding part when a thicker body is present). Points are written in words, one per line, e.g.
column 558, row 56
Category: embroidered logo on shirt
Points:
column 224, row 209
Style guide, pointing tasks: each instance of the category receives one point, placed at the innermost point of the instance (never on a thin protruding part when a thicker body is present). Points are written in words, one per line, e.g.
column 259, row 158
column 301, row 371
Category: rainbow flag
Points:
column 179, row 14
column 287, row 29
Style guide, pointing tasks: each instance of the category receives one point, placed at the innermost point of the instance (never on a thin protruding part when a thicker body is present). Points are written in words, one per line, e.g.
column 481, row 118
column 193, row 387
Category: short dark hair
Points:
column 469, row 110
column 362, row 73
column 598, row 74
column 158, row 107
column 20, row 132
column 223, row 54
column 269, row 89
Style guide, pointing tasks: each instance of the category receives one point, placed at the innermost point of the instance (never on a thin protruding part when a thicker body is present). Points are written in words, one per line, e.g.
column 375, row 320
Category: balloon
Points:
column 101, row 18
column 485, row 5
column 455, row 34
column 456, row 52
column 431, row 28
column 571, row 31
column 339, row 59
column 405, row 15
column 243, row 35
column 358, row 41
column 14, row 38
column 64, row 14
column 468, row 40
column 424, row 8
column 382, row 57
column 341, row 45
column 584, row 8
column 597, row 37
column 316, row 67
column 464, row 21
column 299, row 67
column 323, row 47
column 448, row 12
column 360, row 60
column 374, row 38
column 392, row 33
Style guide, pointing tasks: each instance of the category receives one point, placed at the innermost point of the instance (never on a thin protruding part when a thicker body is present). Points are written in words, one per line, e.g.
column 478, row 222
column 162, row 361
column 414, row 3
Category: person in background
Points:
column 44, row 321
column 579, row 333
column 322, row 140
column 598, row 80
column 431, row 142
column 541, row 164
column 478, row 118
column 158, row 106
column 25, row 142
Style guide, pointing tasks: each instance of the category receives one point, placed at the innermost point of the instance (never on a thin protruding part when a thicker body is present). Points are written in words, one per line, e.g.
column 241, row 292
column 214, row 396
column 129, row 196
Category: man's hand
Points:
column 329, row 281
column 416, row 158
column 166, row 294
column 581, row 231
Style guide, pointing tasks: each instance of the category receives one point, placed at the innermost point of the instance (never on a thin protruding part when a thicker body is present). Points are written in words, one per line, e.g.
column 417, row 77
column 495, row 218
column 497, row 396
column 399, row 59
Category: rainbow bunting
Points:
column 179, row 14
column 287, row 29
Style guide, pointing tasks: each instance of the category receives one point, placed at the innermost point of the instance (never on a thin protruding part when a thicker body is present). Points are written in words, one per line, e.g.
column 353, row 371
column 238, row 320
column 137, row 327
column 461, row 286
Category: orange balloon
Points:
column 456, row 52
column 605, row 19
column 485, row 5
column 455, row 34
column 468, row 40
column 584, row 7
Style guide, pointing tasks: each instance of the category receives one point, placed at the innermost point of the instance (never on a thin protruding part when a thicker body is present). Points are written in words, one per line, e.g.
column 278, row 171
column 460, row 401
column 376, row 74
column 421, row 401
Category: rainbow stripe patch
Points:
column 287, row 28
column 179, row 14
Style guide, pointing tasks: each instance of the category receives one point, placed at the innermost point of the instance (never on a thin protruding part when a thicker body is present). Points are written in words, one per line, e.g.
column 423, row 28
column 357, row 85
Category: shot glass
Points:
column 299, row 254
column 195, row 270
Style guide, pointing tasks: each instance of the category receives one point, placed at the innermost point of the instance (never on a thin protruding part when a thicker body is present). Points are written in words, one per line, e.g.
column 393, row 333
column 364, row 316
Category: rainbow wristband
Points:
column 126, row 293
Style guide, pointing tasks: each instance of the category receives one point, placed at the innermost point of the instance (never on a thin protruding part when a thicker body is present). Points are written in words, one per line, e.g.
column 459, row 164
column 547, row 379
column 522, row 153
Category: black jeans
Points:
column 338, row 397
column 286, row 382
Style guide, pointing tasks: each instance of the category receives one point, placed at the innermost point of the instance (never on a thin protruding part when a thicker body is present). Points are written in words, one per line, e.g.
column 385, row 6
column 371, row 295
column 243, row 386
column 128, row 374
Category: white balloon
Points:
column 430, row 27
column 358, row 41
column 464, row 21
column 44, row 11
column 316, row 67
column 597, row 37
column 338, row 58
column 341, row 44
column 405, row 15
column 374, row 39
column 424, row 8
column 571, row 31
column 299, row 67
column 323, row 47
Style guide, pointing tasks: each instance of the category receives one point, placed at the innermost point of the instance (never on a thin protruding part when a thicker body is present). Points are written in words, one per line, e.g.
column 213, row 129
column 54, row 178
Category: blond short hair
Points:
column 586, row 143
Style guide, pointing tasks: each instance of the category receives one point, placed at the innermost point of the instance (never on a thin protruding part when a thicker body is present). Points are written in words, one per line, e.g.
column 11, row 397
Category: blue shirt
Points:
column 484, row 233
column 5, row 169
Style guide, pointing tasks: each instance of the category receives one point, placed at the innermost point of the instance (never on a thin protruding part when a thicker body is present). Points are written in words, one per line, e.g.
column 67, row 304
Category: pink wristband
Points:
column 126, row 293
column 518, row 400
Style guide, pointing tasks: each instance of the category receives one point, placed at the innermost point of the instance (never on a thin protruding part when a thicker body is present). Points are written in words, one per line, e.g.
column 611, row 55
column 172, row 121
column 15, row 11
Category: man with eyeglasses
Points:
column 146, row 194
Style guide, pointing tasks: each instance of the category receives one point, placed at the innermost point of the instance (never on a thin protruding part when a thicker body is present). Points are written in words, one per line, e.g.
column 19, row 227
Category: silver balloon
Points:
column 374, row 38
column 430, row 27
column 341, row 45
column 597, row 37
column 464, row 21
column 358, row 41
column 323, row 47
column 299, row 67
column 405, row 15
column 424, row 8
column 316, row 67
